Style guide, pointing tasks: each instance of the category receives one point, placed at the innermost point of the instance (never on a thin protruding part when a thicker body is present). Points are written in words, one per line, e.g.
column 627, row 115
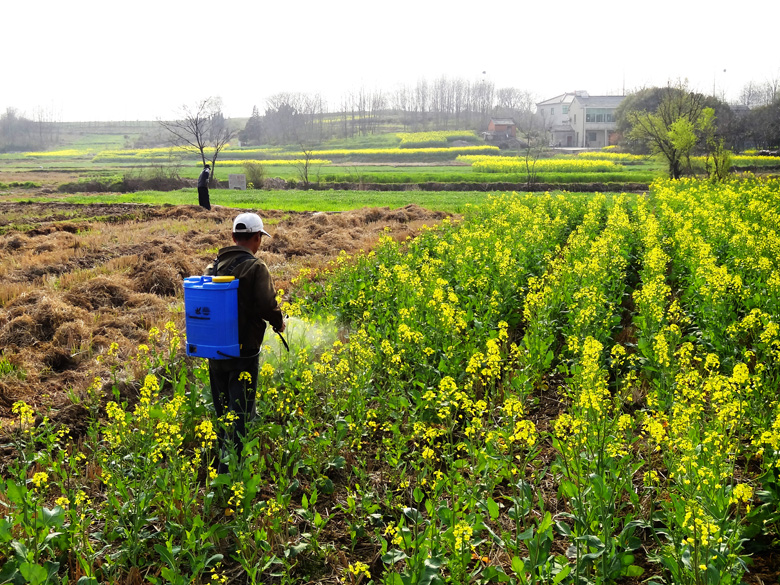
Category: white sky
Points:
column 142, row 60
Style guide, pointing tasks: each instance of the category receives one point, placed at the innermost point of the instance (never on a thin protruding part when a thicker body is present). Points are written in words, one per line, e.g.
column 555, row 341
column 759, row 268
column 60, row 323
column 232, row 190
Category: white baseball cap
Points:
column 249, row 223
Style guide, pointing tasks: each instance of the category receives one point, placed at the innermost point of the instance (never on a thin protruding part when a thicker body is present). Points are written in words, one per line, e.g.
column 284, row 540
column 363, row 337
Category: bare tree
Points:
column 201, row 129
column 47, row 126
column 304, row 167
column 402, row 101
column 16, row 130
column 421, row 101
column 534, row 135
column 751, row 95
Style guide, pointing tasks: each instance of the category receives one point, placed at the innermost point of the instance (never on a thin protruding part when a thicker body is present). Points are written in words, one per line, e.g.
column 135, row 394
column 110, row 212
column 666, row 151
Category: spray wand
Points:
column 279, row 333
column 287, row 347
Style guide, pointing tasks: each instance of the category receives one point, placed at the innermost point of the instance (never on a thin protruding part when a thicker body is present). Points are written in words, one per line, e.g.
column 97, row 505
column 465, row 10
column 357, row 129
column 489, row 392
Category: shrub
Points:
column 255, row 174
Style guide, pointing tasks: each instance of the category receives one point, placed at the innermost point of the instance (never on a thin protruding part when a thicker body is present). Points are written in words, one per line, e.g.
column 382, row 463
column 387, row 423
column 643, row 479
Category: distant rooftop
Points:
column 601, row 101
column 564, row 98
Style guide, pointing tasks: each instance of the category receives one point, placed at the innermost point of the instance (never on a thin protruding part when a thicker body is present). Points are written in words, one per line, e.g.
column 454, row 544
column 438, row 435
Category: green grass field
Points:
column 105, row 154
column 295, row 200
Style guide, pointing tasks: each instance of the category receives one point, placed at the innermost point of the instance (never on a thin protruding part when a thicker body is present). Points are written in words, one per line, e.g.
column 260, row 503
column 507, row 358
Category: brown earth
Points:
column 76, row 278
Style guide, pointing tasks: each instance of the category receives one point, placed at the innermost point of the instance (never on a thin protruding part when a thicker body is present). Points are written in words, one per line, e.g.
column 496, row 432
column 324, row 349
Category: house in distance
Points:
column 502, row 131
column 578, row 120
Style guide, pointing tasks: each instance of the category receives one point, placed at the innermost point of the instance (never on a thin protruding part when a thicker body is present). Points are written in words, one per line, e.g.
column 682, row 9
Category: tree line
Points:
column 441, row 104
column 19, row 132
column 445, row 103
column 677, row 123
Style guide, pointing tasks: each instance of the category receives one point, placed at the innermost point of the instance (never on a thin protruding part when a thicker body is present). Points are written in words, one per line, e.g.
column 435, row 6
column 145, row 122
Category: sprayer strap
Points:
column 232, row 265
column 238, row 262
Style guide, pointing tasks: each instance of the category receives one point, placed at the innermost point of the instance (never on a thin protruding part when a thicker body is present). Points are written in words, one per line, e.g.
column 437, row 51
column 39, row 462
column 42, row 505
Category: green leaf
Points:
column 34, row 574
column 445, row 514
column 493, row 509
column 494, row 574
column 165, row 554
column 54, row 517
column 526, row 534
column 222, row 479
column 337, row 463
column 517, row 564
column 20, row 551
column 430, row 574
column 9, row 572
column 5, row 531
column 295, row 550
column 568, row 489
column 394, row 556
column 563, row 528
column 592, row 542
column 562, row 574
column 632, row 571
column 395, row 579
column 546, row 523
column 712, row 575
column 413, row 514
column 14, row 492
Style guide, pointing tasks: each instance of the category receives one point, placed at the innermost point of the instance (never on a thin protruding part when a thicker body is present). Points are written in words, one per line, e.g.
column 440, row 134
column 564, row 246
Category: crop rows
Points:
column 507, row 164
column 262, row 154
column 556, row 388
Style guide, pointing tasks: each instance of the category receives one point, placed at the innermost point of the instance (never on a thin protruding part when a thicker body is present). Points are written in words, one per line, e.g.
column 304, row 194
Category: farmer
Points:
column 234, row 380
column 203, row 187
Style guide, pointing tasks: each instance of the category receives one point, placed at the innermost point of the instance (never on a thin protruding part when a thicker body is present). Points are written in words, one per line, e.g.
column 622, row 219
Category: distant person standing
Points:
column 203, row 187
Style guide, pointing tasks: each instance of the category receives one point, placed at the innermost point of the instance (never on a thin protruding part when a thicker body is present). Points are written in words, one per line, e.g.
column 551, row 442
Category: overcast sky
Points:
column 141, row 60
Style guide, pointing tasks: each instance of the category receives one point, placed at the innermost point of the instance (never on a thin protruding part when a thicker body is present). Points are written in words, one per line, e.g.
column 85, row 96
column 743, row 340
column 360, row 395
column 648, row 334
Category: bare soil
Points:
column 76, row 278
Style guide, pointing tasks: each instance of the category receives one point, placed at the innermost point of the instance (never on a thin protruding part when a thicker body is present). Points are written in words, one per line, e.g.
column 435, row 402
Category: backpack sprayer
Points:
column 211, row 317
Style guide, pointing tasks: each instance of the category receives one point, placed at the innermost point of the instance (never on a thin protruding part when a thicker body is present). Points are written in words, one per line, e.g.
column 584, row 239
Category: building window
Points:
column 591, row 137
column 565, row 109
column 575, row 118
column 552, row 111
column 599, row 115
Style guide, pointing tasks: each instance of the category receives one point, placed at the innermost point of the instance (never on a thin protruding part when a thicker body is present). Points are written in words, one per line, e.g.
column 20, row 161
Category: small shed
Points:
column 502, row 127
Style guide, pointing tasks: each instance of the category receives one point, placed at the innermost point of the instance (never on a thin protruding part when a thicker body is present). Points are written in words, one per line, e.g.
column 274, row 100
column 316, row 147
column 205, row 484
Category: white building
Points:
column 577, row 119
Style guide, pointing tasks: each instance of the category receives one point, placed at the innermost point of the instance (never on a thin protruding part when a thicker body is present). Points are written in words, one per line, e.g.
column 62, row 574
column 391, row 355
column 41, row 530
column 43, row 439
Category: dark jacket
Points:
column 203, row 179
column 256, row 294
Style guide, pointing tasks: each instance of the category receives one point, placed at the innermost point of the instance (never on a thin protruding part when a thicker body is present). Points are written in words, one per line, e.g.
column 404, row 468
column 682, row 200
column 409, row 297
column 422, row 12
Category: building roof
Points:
column 503, row 121
column 601, row 101
column 564, row 98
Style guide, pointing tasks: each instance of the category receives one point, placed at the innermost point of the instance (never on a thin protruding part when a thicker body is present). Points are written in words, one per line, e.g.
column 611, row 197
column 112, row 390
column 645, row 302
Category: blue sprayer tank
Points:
column 211, row 316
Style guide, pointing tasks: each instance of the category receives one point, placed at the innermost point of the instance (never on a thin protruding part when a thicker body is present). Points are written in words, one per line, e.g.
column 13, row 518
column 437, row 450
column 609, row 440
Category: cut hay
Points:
column 126, row 327
column 58, row 359
column 72, row 334
column 159, row 278
column 21, row 331
column 98, row 293
column 34, row 322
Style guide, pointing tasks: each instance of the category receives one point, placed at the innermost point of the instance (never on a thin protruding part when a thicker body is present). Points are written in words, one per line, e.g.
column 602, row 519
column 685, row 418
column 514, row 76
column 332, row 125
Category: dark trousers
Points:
column 203, row 197
column 231, row 394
